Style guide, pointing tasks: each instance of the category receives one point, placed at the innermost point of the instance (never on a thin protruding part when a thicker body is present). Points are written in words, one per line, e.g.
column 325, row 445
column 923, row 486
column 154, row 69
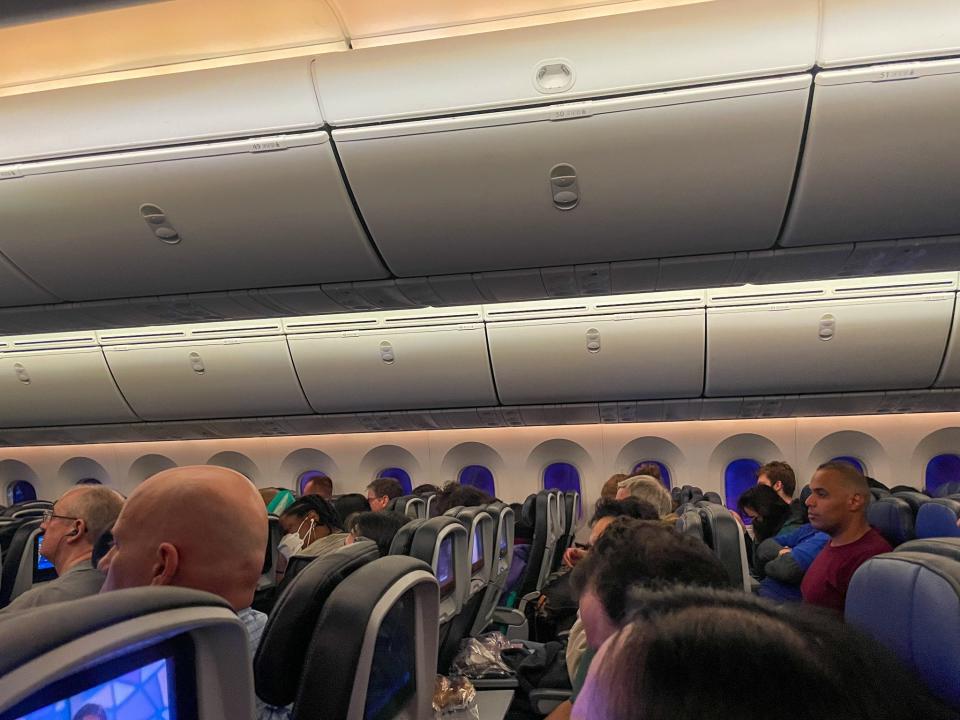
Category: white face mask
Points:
column 292, row 543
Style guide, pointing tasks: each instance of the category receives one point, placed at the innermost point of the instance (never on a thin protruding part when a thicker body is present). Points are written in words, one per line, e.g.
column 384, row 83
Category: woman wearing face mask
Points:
column 312, row 528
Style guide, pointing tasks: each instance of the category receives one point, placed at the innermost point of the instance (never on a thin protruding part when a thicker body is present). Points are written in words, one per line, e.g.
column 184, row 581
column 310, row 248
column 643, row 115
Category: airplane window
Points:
column 307, row 476
column 739, row 476
column 850, row 460
column 20, row 491
column 479, row 477
column 941, row 470
column 664, row 471
column 89, row 481
column 561, row 476
column 400, row 475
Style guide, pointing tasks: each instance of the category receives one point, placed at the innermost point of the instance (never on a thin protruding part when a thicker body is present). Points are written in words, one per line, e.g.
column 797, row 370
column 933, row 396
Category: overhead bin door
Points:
column 245, row 214
column 882, row 156
column 391, row 368
column 857, row 32
column 624, row 356
column 50, row 385
column 226, row 377
column 881, row 343
column 679, row 173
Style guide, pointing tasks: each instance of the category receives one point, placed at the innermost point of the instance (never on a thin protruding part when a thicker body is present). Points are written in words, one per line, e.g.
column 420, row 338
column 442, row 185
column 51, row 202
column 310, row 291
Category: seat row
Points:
column 904, row 516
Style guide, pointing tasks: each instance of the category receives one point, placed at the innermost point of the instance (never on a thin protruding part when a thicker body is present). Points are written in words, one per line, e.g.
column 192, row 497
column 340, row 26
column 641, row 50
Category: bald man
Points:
column 199, row 527
column 839, row 496
column 70, row 529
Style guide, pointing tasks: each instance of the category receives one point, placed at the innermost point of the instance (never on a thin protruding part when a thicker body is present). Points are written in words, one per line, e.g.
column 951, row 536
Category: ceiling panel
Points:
column 158, row 34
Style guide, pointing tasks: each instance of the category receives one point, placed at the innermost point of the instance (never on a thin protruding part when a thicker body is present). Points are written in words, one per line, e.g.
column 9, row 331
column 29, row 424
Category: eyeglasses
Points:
column 49, row 515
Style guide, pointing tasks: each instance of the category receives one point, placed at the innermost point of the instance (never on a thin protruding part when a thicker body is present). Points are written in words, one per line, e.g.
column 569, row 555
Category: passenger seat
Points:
column 893, row 518
column 938, row 518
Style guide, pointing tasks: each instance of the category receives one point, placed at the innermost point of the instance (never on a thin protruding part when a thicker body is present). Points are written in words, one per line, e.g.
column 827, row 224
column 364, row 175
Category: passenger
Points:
column 648, row 489
column 454, row 495
column 610, row 487
column 632, row 555
column 199, row 527
column 312, row 527
column 381, row 527
column 319, row 485
column 424, row 489
column 277, row 500
column 838, row 506
column 381, row 491
column 697, row 654
column 347, row 505
column 782, row 561
column 651, row 470
column 70, row 529
column 769, row 513
column 780, row 476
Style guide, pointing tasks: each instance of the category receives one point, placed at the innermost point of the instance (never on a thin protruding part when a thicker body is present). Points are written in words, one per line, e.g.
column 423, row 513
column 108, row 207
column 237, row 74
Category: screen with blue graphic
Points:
column 140, row 694
column 445, row 574
column 476, row 558
column 42, row 562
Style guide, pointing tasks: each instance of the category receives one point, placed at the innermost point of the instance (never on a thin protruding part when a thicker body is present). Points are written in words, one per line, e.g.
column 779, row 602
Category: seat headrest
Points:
column 425, row 539
column 404, row 538
column 279, row 659
column 528, row 513
column 948, row 488
column 938, row 518
column 690, row 523
column 893, row 518
column 910, row 602
column 32, row 633
column 914, row 499
column 805, row 493
column 713, row 497
column 879, row 493
column 944, row 546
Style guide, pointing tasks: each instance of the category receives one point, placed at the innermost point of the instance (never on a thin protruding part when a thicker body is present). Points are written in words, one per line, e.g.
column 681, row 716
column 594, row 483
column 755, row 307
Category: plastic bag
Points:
column 455, row 699
column 479, row 657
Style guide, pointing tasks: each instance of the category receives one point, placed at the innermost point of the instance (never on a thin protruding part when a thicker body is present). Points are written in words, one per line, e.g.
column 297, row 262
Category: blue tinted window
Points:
column 479, row 477
column 740, row 475
column 664, row 471
column 561, row 476
column 20, row 491
column 400, row 475
column 850, row 460
column 307, row 477
column 941, row 470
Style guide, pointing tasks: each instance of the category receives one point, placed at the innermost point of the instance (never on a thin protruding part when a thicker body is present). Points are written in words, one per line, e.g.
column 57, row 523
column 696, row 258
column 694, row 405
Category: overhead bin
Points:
column 687, row 172
column 868, row 31
column 837, row 336
column 57, row 380
column 882, row 156
column 950, row 371
column 214, row 370
column 263, row 212
column 685, row 45
column 630, row 347
column 266, row 98
column 407, row 359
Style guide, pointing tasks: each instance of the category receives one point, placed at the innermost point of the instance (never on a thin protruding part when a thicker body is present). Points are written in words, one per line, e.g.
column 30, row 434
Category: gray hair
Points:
column 97, row 506
column 649, row 489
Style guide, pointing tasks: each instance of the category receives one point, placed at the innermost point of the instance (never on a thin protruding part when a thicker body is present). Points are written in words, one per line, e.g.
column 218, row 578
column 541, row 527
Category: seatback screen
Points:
column 144, row 685
column 476, row 556
column 393, row 671
column 445, row 574
column 43, row 569
column 41, row 562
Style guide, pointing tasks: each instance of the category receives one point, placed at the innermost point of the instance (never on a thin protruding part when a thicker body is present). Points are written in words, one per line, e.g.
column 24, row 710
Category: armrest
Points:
column 508, row 616
column 528, row 598
column 544, row 700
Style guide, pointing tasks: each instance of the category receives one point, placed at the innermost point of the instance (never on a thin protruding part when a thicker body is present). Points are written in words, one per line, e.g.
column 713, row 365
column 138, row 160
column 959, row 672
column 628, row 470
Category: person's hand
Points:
column 573, row 555
column 783, row 552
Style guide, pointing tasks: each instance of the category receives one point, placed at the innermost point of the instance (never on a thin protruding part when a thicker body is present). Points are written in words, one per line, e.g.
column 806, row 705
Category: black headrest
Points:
column 723, row 534
column 713, row 497
column 805, row 493
column 31, row 633
column 675, row 493
column 466, row 515
column 425, row 540
column 528, row 513
column 690, row 523
column 404, row 538
column 337, row 643
column 28, row 505
column 879, row 493
column 893, row 518
column 913, row 499
column 12, row 554
column 947, row 489
column 947, row 547
column 286, row 636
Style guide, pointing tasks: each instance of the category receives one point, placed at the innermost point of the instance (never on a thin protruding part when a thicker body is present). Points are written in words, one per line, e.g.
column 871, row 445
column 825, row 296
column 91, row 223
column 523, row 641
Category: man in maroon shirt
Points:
column 838, row 506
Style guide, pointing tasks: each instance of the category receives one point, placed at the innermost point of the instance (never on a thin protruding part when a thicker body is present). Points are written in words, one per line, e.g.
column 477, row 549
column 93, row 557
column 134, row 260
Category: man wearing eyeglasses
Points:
column 70, row 529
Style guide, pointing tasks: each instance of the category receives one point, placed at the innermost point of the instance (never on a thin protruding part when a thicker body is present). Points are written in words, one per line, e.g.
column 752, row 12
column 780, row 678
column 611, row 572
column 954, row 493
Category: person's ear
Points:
column 165, row 566
column 778, row 486
column 79, row 528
